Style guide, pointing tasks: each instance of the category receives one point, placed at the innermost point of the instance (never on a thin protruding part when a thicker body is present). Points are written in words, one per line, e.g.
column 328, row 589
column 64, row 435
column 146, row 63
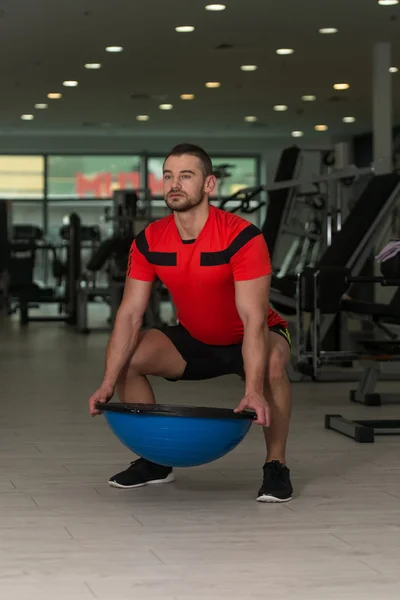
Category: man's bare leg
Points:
column 277, row 390
column 155, row 355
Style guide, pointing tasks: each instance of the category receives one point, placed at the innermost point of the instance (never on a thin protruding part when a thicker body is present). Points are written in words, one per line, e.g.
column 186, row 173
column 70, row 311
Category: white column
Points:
column 382, row 108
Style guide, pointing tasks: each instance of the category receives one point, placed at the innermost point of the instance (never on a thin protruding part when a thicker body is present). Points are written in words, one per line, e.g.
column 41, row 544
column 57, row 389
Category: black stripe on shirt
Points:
column 222, row 257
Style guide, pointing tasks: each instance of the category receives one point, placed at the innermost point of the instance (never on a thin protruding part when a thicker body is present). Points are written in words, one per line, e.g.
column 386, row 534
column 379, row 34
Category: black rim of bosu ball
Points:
column 169, row 410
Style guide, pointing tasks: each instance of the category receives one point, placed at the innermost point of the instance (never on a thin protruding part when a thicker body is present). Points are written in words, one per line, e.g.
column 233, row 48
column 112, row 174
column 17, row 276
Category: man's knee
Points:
column 137, row 362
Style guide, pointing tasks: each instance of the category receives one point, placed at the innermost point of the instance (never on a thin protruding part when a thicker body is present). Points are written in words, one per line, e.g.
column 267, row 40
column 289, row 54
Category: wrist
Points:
column 254, row 390
column 108, row 383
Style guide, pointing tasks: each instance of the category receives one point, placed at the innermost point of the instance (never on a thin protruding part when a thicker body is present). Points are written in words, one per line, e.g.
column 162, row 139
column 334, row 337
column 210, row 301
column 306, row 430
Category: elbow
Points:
column 254, row 322
column 130, row 316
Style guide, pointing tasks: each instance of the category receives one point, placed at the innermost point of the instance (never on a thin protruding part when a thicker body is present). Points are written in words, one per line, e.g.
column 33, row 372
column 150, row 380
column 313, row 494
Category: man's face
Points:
column 185, row 185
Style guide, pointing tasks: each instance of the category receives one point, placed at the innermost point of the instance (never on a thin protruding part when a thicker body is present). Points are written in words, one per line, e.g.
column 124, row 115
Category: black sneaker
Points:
column 142, row 472
column 276, row 486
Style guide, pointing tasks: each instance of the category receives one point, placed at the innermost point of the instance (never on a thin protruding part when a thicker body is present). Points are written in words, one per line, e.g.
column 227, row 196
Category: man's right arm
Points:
column 124, row 338
column 128, row 323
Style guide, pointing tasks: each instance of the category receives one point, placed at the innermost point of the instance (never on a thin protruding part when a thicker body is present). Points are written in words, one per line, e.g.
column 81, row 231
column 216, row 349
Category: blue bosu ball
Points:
column 177, row 436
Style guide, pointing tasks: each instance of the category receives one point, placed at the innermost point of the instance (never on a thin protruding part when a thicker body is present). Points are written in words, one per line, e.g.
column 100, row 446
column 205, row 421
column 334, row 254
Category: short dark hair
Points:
column 193, row 150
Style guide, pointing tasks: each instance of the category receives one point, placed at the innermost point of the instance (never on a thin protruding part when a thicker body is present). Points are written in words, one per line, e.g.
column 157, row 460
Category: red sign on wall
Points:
column 102, row 185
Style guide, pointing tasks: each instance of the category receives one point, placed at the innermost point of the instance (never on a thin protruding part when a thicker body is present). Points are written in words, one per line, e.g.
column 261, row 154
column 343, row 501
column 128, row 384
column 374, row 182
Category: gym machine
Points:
column 316, row 297
column 131, row 214
column 25, row 292
column 5, row 231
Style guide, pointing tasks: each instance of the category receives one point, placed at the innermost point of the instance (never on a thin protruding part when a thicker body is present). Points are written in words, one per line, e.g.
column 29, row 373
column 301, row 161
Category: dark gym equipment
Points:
column 28, row 294
column 131, row 214
column 362, row 431
column 177, row 436
column 4, row 255
column 319, row 292
column 352, row 245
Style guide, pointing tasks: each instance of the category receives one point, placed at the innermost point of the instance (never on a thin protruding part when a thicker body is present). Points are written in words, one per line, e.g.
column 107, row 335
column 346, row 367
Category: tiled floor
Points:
column 65, row 534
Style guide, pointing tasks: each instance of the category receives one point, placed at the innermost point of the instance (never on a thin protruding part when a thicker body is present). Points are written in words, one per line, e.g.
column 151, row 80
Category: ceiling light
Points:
column 283, row 51
column 341, row 86
column 184, row 28
column 215, row 7
column 349, row 119
column 297, row 133
column 280, row 107
column 70, row 83
column 213, row 84
column 249, row 67
column 93, row 66
column 321, row 127
column 114, row 49
column 309, row 98
column 393, row 69
column 166, row 106
column 187, row 96
column 328, row 30
column 143, row 118
column 388, row 2
column 250, row 119
column 41, row 106
column 54, row 95
column 27, row 117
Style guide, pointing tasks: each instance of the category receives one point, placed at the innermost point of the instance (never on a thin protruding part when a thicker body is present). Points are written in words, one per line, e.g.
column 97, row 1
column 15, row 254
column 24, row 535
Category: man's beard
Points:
column 183, row 203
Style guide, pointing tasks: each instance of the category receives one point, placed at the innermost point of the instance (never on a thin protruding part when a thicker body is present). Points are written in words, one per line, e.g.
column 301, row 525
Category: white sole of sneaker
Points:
column 272, row 499
column 169, row 479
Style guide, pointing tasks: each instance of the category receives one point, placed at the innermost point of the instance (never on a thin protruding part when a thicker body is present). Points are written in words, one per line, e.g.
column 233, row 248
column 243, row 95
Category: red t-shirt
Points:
column 201, row 275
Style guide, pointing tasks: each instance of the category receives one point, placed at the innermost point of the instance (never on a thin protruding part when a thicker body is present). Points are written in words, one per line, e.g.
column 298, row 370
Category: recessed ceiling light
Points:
column 184, row 28
column 27, row 117
column 166, row 106
column 309, row 98
column 341, row 86
column 349, row 119
column 213, row 84
column 321, row 127
column 70, row 83
column 187, row 96
column 215, row 7
column 143, row 118
column 250, row 119
column 280, row 107
column 41, row 106
column 388, row 2
column 328, row 30
column 297, row 133
column 393, row 69
column 114, row 49
column 93, row 66
column 249, row 67
column 54, row 95
column 283, row 51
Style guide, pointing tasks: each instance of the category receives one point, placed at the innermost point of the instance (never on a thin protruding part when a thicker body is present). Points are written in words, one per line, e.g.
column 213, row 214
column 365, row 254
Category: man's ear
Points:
column 210, row 184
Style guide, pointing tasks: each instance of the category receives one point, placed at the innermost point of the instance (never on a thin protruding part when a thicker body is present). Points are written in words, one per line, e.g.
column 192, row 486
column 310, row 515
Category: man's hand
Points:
column 103, row 395
column 259, row 405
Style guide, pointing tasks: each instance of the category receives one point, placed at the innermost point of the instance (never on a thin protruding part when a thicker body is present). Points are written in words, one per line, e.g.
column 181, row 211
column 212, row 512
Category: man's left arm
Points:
column 252, row 305
column 251, row 267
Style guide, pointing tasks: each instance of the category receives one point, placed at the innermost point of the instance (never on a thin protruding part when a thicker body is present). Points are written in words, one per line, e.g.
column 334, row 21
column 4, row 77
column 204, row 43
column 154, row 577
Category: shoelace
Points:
column 274, row 470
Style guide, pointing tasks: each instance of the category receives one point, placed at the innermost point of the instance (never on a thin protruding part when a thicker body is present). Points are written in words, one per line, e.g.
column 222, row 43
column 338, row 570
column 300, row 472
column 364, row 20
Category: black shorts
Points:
column 206, row 362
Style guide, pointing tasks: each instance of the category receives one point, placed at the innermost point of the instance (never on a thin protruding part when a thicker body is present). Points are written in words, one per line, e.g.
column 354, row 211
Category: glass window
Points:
column 21, row 177
column 91, row 176
column 242, row 171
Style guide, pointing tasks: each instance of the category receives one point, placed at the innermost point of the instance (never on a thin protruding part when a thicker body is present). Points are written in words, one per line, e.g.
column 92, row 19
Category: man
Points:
column 217, row 268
